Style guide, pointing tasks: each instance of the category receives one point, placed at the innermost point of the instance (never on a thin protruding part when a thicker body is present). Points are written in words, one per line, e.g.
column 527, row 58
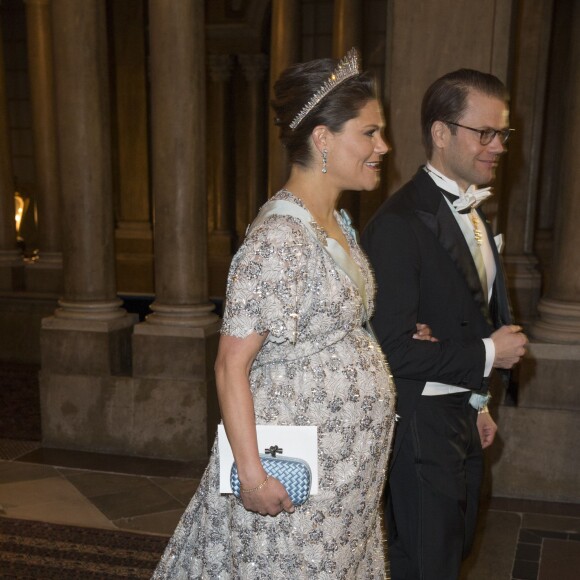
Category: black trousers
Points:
column 433, row 490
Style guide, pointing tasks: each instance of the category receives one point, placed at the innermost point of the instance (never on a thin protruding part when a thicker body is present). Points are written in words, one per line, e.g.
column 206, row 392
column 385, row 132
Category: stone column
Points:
column 134, row 233
column 88, row 340
column 526, row 464
column 10, row 257
column 559, row 310
column 174, row 349
column 252, row 168
column 44, row 275
column 527, row 116
column 347, row 32
column 555, row 125
column 220, row 161
column 284, row 51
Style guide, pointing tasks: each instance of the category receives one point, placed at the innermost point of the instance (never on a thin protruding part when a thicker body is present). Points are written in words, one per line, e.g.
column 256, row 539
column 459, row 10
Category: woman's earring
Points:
column 324, row 160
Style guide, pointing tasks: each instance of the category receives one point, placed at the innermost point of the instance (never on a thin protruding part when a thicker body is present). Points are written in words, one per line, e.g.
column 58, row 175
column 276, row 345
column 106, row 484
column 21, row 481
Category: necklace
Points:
column 476, row 231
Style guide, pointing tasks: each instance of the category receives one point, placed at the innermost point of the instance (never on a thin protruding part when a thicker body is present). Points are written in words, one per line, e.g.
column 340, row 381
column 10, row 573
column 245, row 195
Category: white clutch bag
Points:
column 289, row 441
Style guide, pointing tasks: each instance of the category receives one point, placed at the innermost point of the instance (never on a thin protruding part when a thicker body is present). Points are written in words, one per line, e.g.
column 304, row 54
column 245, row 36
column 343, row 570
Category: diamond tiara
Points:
column 348, row 67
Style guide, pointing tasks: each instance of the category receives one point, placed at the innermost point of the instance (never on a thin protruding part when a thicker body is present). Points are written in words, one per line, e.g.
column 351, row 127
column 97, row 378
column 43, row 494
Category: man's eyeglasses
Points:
column 486, row 136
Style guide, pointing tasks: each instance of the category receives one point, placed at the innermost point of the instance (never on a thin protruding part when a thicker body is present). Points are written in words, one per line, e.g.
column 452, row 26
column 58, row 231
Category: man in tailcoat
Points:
column 437, row 262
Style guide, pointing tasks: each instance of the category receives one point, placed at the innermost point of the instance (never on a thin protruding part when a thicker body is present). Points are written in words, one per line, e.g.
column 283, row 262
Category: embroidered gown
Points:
column 318, row 366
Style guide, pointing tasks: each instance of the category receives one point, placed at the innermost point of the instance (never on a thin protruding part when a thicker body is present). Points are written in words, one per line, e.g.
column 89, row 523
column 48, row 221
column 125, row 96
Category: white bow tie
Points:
column 472, row 198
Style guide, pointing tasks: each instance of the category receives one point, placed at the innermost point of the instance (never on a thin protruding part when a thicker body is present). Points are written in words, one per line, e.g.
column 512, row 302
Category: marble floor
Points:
column 518, row 539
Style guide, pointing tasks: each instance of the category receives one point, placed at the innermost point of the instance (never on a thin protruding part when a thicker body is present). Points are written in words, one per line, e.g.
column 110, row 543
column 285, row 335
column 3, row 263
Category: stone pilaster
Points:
column 10, row 258
column 346, row 33
column 537, row 452
column 527, row 111
column 559, row 310
column 284, row 51
column 252, row 167
column 174, row 349
column 220, row 161
column 89, row 334
column 134, row 232
column 45, row 274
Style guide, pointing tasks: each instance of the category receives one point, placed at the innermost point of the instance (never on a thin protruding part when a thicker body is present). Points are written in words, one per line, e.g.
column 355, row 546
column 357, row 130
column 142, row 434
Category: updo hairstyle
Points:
column 296, row 86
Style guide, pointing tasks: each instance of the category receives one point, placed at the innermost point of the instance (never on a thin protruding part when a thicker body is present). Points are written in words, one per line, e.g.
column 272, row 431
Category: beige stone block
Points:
column 535, row 455
column 86, row 412
column 159, row 355
column 549, row 377
column 165, row 418
column 69, row 351
column 171, row 419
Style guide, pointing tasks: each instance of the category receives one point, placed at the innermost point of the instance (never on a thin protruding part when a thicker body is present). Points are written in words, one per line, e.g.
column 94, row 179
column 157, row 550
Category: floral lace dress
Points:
column 318, row 366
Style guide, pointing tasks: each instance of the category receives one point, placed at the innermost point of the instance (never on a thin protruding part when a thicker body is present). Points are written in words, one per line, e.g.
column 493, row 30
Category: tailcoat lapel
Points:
column 500, row 308
column 434, row 212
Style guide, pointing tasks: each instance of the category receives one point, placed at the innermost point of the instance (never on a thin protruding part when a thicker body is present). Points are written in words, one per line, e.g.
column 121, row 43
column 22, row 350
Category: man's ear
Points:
column 440, row 134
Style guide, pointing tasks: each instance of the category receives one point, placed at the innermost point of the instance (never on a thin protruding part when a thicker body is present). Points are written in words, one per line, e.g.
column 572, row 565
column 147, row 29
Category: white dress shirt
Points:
column 466, row 225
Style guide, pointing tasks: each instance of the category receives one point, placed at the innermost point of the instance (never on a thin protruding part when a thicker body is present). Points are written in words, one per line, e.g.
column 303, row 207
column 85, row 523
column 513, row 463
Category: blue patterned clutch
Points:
column 294, row 474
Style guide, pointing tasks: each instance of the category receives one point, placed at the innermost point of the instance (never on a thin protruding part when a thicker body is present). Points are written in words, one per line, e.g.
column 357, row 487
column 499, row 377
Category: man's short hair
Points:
column 446, row 99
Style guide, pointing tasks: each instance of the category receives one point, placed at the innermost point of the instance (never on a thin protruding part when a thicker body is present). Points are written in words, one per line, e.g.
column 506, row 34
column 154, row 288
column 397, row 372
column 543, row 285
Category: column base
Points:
column 174, row 316
column 535, row 452
column 558, row 322
column 175, row 365
column 524, row 283
column 92, row 339
column 164, row 419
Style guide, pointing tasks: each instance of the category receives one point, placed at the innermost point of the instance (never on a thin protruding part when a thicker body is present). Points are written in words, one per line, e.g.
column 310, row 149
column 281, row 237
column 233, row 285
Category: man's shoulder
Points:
column 405, row 200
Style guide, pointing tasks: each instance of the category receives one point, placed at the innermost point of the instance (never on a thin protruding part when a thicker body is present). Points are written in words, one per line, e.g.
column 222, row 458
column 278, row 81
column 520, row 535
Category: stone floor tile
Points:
column 493, row 554
column 181, row 489
column 163, row 523
column 530, row 537
column 553, row 523
column 95, row 483
column 147, row 498
column 535, row 507
column 14, row 471
column 34, row 492
column 77, row 512
column 560, row 561
column 528, row 552
column 524, row 570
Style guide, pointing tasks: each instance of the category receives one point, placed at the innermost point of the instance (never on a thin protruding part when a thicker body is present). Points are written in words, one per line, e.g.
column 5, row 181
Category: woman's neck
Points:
column 315, row 192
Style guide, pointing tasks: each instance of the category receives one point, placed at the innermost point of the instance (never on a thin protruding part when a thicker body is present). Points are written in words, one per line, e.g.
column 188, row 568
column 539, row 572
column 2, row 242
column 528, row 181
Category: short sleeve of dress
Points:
column 265, row 282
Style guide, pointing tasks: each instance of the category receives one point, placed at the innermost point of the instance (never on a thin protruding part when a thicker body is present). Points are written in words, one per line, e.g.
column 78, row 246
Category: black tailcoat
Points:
column 425, row 273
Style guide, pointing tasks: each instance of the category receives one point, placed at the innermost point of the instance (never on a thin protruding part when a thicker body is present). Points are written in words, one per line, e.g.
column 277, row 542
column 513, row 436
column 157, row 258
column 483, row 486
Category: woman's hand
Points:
column 424, row 333
column 267, row 498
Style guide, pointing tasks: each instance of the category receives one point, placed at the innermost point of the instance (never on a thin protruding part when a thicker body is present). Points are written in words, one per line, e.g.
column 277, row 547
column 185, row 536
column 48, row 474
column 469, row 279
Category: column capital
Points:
column 220, row 67
column 254, row 66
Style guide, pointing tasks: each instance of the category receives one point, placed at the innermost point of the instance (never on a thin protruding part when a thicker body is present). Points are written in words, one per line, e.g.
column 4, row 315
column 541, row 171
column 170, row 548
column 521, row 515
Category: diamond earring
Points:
column 324, row 160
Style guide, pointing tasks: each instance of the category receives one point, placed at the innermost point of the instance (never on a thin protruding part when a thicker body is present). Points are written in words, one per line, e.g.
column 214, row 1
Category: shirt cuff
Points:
column 489, row 356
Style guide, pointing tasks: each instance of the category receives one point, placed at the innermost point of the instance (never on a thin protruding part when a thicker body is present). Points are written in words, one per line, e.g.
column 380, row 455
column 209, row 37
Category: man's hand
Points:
column 424, row 332
column 487, row 429
column 509, row 342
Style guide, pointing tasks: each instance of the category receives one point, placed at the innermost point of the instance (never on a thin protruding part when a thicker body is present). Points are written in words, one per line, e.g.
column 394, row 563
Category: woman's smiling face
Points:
column 354, row 154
